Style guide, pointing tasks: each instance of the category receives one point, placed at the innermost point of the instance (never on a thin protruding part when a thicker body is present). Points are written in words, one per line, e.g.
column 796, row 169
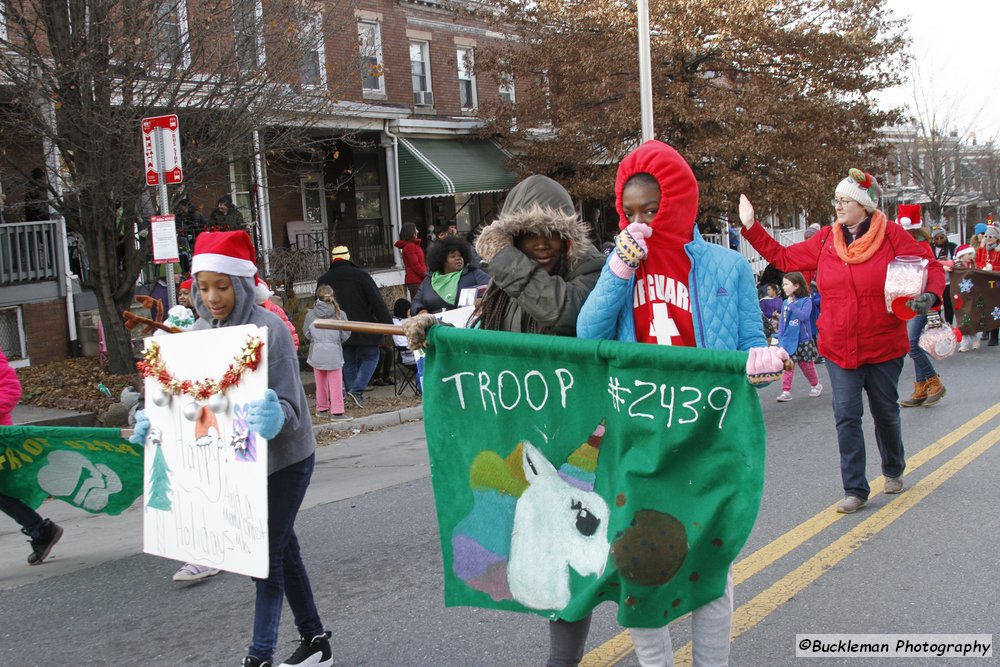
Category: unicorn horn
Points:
column 580, row 469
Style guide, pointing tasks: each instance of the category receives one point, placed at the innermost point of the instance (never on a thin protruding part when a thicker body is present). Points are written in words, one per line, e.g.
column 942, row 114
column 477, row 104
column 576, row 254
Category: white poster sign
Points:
column 164, row 233
column 205, row 498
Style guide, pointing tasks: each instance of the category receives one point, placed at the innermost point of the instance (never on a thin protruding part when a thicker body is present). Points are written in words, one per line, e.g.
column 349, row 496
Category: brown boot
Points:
column 918, row 397
column 935, row 391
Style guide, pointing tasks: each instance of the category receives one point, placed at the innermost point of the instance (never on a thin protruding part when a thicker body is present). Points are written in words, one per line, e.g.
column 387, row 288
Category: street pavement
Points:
column 920, row 562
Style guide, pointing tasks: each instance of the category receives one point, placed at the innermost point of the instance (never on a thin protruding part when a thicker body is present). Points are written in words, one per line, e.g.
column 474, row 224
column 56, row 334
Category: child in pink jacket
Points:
column 43, row 533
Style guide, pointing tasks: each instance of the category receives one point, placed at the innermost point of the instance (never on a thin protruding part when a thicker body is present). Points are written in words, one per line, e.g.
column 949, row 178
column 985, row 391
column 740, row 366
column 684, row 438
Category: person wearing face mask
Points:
column 864, row 344
column 665, row 285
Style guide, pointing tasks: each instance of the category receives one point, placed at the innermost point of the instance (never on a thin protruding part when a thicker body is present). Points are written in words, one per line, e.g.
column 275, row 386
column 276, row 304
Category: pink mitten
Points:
column 766, row 364
column 630, row 249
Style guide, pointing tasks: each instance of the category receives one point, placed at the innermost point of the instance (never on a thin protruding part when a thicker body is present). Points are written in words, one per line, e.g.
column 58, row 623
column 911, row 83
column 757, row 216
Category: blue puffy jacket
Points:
column 796, row 323
column 724, row 302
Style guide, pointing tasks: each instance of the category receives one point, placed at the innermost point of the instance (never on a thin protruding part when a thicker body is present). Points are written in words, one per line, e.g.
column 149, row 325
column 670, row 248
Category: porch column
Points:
column 392, row 181
column 263, row 199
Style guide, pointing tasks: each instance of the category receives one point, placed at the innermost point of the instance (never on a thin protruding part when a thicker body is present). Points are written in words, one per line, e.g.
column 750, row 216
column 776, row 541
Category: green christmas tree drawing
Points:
column 159, row 483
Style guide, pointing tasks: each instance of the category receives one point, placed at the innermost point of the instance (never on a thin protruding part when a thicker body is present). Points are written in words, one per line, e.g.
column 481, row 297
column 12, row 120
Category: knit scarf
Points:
column 863, row 248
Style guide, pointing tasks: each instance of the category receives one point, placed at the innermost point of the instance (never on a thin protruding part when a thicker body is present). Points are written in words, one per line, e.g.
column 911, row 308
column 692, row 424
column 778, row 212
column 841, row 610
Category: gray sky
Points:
column 957, row 61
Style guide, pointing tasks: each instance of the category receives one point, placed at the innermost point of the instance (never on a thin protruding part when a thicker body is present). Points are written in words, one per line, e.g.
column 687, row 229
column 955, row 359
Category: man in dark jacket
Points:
column 359, row 297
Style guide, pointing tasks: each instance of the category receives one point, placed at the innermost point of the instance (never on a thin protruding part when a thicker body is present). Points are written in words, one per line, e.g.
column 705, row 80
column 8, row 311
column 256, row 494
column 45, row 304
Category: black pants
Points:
column 567, row 639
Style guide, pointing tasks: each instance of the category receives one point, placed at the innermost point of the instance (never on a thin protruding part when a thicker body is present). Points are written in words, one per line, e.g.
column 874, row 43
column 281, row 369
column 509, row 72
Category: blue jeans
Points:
column 29, row 520
column 359, row 367
column 287, row 576
column 880, row 382
column 922, row 366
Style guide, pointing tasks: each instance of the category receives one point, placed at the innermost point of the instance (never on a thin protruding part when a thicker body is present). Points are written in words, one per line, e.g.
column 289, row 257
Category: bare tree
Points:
column 933, row 152
column 764, row 96
column 81, row 74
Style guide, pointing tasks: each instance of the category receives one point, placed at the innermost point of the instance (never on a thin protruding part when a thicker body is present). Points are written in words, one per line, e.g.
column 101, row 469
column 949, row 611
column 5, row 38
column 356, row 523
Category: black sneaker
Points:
column 313, row 652
column 251, row 661
column 48, row 535
column 358, row 400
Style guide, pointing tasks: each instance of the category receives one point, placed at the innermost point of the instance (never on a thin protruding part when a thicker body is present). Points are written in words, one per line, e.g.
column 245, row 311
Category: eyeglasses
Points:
column 841, row 202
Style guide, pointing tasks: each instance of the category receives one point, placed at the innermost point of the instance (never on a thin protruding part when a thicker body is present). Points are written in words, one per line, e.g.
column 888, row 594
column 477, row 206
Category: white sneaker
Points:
column 784, row 396
column 964, row 345
column 816, row 391
column 194, row 572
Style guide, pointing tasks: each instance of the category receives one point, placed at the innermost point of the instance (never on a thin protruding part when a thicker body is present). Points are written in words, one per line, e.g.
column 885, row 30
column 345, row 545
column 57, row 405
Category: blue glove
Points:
column 141, row 429
column 266, row 416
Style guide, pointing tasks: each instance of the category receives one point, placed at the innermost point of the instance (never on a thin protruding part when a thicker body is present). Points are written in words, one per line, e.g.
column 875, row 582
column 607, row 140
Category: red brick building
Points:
column 398, row 146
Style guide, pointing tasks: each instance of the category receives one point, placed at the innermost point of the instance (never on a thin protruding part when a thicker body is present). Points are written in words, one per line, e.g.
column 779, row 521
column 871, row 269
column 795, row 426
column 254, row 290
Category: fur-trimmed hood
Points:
column 536, row 205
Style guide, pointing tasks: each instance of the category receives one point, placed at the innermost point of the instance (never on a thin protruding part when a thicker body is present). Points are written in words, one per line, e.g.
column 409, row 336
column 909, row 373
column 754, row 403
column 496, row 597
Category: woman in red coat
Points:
column 863, row 343
column 413, row 257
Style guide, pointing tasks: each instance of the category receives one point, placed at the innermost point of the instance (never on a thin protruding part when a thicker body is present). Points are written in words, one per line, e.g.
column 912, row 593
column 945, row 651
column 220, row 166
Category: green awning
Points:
column 445, row 167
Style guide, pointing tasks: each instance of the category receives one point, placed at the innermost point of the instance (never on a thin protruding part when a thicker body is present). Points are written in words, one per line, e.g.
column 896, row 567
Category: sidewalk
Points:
column 347, row 468
column 31, row 415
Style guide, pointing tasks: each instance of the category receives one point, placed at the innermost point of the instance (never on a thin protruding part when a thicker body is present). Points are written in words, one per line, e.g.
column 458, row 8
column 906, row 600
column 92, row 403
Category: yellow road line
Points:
column 768, row 601
column 808, row 529
column 620, row 646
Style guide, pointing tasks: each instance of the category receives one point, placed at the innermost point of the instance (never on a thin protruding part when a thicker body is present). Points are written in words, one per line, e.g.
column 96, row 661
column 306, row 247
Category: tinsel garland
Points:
column 247, row 360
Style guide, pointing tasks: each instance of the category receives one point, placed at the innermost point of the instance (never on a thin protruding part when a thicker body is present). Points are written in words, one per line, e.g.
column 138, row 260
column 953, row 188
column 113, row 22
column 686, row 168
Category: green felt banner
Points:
column 94, row 469
column 567, row 472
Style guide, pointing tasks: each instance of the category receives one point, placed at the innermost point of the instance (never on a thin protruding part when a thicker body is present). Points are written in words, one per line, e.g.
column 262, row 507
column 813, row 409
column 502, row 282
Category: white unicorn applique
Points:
column 556, row 526
column 531, row 523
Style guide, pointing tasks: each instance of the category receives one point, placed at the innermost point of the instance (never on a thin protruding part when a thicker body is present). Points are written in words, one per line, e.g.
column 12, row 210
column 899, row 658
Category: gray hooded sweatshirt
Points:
column 326, row 346
column 296, row 441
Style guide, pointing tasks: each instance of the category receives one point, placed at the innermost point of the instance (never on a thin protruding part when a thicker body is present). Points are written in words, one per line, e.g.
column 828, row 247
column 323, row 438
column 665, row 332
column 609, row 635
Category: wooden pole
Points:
column 360, row 327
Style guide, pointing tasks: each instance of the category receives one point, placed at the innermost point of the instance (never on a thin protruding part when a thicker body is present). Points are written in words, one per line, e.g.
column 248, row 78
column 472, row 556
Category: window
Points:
column 466, row 78
column 241, row 185
column 420, row 73
column 12, row 338
column 171, row 38
column 466, row 212
column 312, row 68
column 370, row 42
column 506, row 89
column 248, row 17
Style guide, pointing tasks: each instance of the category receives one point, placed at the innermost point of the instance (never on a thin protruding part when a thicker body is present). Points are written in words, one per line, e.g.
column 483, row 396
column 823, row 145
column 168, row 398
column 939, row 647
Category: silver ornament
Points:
column 218, row 403
column 191, row 411
column 161, row 398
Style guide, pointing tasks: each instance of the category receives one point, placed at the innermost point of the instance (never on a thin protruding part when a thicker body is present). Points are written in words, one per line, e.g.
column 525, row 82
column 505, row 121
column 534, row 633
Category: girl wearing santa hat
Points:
column 224, row 267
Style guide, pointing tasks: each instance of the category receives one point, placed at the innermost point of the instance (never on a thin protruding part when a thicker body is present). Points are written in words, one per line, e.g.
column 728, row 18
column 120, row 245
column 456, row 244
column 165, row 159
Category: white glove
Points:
column 746, row 212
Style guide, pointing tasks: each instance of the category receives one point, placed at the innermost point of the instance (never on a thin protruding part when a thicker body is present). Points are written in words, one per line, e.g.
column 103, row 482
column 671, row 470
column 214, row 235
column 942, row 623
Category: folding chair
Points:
column 406, row 370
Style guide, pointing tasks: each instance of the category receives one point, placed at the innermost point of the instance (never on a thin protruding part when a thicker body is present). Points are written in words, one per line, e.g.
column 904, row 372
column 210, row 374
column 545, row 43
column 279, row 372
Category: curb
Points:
column 377, row 420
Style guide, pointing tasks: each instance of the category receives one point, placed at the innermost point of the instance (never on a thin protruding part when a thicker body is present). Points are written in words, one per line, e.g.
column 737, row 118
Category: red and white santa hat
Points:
column 231, row 253
column 261, row 290
column 964, row 250
column 908, row 215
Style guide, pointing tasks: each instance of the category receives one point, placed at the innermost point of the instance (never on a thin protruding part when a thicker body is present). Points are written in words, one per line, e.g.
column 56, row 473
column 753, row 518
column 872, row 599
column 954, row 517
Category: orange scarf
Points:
column 863, row 248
